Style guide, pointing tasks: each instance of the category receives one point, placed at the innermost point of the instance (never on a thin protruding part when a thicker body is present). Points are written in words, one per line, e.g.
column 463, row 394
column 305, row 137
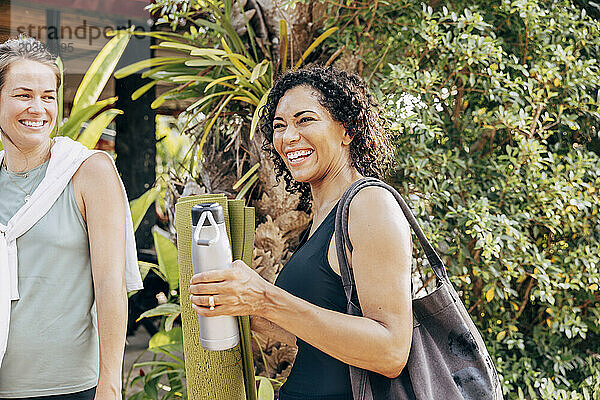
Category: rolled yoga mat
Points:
column 215, row 375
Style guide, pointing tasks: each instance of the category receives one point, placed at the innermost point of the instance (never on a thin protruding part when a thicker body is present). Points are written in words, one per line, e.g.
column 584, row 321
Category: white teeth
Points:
column 33, row 124
column 300, row 153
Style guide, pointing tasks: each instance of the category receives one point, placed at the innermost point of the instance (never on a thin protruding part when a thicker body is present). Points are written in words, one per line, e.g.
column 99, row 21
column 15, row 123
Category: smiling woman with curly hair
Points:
column 349, row 102
column 325, row 131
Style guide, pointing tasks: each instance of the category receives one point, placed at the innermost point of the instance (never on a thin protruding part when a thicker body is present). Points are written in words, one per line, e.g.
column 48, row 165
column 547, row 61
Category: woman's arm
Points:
column 379, row 341
column 104, row 209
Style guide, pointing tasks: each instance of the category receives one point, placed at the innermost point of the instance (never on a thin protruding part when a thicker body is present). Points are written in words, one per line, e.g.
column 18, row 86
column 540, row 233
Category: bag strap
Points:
column 342, row 238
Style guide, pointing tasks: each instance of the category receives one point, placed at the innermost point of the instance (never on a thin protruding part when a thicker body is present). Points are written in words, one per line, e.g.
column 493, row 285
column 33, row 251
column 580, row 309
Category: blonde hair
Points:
column 25, row 48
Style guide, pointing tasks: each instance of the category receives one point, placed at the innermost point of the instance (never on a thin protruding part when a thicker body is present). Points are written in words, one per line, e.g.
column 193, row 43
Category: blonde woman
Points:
column 64, row 242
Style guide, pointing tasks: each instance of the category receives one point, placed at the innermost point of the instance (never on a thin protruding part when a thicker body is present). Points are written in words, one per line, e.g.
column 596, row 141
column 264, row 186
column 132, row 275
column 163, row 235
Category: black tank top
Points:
column 308, row 275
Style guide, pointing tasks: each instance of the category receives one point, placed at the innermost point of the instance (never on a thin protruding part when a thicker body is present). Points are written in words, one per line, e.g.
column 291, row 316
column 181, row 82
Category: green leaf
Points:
column 99, row 72
column 256, row 115
column 265, row 389
column 139, row 92
column 207, row 52
column 72, row 127
column 163, row 338
column 314, row 45
column 151, row 62
column 211, row 25
column 206, row 63
column 59, row 98
column 151, row 390
column 260, row 70
column 166, row 252
column 170, row 320
column 178, row 46
column 145, row 267
column 218, row 81
column 160, row 310
column 90, row 135
column 140, row 205
column 246, row 187
column 284, row 44
column 167, row 364
column 212, row 122
column 246, row 176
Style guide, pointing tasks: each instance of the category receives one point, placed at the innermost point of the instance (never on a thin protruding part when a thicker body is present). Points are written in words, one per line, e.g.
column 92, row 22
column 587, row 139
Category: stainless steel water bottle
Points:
column 210, row 251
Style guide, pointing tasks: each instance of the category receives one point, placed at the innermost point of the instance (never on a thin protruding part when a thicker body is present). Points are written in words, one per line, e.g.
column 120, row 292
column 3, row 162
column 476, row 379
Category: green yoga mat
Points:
column 215, row 375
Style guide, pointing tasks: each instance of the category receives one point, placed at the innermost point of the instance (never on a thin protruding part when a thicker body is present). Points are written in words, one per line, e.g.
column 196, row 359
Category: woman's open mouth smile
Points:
column 297, row 157
column 32, row 124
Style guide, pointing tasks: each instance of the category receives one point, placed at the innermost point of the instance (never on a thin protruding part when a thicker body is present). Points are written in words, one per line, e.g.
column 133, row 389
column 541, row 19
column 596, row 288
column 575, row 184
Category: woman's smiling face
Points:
column 311, row 143
column 28, row 104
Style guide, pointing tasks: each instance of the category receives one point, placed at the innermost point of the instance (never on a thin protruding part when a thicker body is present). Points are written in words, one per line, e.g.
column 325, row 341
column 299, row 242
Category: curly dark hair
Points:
column 349, row 102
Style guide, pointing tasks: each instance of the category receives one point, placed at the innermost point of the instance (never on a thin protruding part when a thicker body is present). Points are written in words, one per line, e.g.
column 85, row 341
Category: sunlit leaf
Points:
column 72, row 126
column 145, row 268
column 218, row 81
column 314, row 45
column 208, row 52
column 178, row 46
column 206, row 63
column 256, row 115
column 166, row 253
column 151, row 62
column 140, row 205
column 265, row 389
column 163, row 338
column 246, row 176
column 160, row 310
column 139, row 92
column 247, row 187
column 90, row 135
column 259, row 70
column 283, row 34
column 171, row 319
column 489, row 295
column 99, row 72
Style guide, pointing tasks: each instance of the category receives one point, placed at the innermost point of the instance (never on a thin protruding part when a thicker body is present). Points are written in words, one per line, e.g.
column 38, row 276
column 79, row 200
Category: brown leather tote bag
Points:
column 448, row 359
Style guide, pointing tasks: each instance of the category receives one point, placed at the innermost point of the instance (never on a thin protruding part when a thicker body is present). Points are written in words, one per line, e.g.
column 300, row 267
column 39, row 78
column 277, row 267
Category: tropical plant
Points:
column 219, row 70
column 86, row 106
column 496, row 109
column 165, row 376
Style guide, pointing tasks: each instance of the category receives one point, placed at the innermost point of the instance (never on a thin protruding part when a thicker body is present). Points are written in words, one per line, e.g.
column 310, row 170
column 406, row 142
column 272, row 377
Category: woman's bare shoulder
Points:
column 375, row 214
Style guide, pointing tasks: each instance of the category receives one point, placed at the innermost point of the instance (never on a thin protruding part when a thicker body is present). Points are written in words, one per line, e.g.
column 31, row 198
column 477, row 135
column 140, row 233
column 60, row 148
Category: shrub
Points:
column 496, row 107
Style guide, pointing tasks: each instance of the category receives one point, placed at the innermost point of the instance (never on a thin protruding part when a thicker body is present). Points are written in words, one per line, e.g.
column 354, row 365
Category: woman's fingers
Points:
column 219, row 305
column 217, row 311
column 205, row 301
column 217, row 275
column 209, row 288
column 235, row 291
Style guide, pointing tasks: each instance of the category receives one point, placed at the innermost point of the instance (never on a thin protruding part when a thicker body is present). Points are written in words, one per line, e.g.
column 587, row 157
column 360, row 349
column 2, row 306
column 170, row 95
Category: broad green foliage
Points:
column 495, row 105
column 85, row 103
column 223, row 72
column 168, row 362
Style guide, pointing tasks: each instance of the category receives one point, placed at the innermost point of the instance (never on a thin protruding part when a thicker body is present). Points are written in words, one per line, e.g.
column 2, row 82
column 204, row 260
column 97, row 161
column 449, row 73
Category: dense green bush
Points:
column 496, row 107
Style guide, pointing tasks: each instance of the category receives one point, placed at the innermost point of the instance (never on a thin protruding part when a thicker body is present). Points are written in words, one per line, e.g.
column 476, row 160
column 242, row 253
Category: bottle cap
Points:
column 215, row 209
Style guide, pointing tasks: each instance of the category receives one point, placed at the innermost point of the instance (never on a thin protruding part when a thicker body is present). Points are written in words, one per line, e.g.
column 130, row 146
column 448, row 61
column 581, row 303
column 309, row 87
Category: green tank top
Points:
column 53, row 341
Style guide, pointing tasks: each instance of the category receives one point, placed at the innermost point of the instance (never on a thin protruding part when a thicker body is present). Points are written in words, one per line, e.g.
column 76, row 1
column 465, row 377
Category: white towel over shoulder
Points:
column 65, row 159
